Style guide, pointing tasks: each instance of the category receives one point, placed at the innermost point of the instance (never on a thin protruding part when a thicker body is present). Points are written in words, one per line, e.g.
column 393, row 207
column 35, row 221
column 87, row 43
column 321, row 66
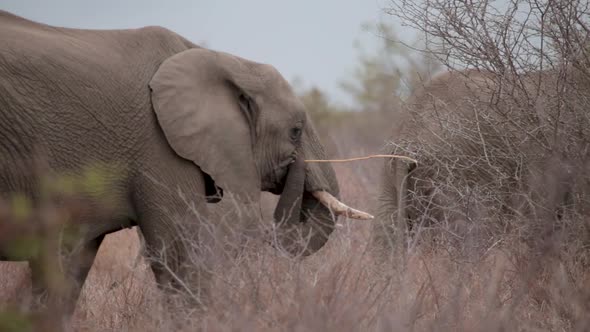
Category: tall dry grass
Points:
column 340, row 288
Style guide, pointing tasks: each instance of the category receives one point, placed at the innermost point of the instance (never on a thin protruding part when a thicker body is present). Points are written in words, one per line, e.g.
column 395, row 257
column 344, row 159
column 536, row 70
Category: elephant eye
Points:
column 295, row 134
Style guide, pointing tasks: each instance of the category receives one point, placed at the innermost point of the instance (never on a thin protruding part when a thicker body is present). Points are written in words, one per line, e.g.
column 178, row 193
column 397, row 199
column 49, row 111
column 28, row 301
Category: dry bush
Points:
column 503, row 139
column 502, row 142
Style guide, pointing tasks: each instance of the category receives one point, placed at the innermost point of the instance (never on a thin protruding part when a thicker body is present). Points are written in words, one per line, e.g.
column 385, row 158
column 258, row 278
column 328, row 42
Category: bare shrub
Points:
column 509, row 127
column 501, row 138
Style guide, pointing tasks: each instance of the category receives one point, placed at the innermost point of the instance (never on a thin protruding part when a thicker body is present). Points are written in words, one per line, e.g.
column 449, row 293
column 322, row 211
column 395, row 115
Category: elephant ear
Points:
column 202, row 102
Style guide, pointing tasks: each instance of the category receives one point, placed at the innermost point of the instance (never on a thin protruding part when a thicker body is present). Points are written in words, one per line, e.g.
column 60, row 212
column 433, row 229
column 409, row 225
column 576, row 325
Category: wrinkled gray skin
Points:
column 174, row 125
column 441, row 103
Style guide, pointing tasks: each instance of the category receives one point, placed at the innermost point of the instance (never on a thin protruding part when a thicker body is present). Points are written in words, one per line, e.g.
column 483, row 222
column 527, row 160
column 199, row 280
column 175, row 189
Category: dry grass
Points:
column 341, row 288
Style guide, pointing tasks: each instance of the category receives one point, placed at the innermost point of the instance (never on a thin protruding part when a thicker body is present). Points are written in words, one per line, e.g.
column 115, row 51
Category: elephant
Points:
column 173, row 128
column 488, row 147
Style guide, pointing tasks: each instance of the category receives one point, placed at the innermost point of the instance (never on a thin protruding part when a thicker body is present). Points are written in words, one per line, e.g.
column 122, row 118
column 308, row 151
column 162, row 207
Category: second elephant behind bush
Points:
column 489, row 148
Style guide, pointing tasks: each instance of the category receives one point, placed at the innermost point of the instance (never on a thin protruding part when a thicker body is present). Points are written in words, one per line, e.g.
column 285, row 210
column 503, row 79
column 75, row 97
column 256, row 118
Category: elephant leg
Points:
column 62, row 295
column 39, row 289
column 172, row 216
column 177, row 261
column 77, row 271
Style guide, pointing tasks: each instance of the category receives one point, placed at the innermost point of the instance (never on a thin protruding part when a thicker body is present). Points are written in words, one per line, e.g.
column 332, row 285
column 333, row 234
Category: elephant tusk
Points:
column 338, row 207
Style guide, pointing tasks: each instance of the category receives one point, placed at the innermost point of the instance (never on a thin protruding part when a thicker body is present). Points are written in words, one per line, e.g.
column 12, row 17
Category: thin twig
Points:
column 361, row 158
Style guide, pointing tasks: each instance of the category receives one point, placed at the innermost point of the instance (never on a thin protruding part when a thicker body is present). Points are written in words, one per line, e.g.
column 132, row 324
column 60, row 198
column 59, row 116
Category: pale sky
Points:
column 309, row 39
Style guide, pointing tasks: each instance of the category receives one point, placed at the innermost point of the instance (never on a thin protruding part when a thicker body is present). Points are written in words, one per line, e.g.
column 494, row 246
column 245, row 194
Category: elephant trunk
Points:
column 287, row 211
column 306, row 219
column 387, row 231
column 303, row 225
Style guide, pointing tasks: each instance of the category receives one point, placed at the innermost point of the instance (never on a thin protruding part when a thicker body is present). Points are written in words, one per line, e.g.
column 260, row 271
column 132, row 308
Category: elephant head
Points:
column 240, row 122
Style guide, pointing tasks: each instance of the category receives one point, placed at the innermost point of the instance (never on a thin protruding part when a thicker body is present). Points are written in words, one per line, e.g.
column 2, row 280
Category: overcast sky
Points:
column 310, row 39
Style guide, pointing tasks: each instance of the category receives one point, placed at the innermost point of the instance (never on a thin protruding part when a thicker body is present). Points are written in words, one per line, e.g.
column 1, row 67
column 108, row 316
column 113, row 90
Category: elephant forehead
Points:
column 283, row 112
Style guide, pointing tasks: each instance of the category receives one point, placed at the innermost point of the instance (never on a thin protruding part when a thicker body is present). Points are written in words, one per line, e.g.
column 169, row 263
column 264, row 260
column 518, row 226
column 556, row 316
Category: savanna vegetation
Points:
column 505, row 272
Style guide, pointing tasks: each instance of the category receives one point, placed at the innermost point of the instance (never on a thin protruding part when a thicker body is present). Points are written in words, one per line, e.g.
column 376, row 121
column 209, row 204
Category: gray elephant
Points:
column 171, row 125
column 488, row 147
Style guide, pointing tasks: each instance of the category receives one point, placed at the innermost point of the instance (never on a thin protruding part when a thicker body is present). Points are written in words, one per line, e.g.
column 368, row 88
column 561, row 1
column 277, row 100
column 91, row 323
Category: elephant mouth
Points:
column 276, row 182
column 279, row 175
